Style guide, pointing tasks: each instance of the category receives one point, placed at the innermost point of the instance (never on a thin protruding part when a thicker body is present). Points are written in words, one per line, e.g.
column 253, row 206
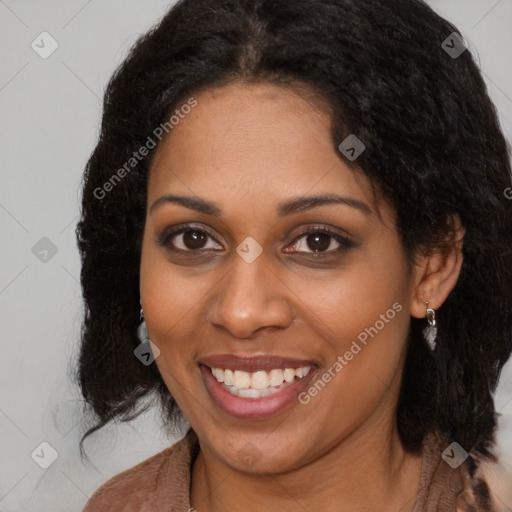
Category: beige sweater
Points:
column 161, row 483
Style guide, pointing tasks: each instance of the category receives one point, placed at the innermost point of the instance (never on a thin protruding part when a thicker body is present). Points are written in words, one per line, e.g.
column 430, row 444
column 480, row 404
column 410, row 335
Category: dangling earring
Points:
column 430, row 331
column 142, row 331
column 147, row 351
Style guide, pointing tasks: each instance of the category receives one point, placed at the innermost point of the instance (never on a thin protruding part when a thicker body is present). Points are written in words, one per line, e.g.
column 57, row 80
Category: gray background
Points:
column 50, row 111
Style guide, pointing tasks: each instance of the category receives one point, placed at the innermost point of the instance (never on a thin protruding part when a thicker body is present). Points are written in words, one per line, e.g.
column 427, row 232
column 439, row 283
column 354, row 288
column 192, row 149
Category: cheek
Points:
column 369, row 295
column 171, row 300
column 170, row 293
column 361, row 325
column 361, row 378
column 170, row 305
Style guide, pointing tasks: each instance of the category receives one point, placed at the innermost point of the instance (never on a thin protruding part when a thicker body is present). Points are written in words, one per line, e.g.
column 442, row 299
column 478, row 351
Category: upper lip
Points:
column 254, row 363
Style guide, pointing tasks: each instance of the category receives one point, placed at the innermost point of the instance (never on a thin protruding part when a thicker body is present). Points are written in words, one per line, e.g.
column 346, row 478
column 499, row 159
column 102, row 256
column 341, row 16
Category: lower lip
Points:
column 253, row 408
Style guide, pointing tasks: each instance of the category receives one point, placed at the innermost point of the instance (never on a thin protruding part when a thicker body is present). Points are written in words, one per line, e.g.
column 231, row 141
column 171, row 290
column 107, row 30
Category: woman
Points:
column 295, row 232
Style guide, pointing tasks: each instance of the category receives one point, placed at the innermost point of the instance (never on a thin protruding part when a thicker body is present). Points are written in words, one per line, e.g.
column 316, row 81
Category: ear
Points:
column 437, row 273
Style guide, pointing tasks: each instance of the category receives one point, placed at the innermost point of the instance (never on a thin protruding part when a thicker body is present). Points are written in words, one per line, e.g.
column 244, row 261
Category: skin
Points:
column 248, row 148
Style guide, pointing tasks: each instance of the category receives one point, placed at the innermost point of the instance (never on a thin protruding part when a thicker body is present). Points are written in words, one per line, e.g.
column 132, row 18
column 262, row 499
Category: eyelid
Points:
column 344, row 240
column 167, row 234
column 324, row 228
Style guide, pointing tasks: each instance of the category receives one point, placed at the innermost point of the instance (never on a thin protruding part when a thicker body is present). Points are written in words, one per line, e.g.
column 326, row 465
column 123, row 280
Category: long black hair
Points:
column 434, row 149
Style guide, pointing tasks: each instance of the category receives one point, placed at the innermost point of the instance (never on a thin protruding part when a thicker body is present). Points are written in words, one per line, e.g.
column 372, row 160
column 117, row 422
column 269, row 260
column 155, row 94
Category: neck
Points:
column 366, row 471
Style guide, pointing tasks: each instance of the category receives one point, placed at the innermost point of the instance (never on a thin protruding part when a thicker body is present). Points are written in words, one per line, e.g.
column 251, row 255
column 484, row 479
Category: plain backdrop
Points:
column 50, row 112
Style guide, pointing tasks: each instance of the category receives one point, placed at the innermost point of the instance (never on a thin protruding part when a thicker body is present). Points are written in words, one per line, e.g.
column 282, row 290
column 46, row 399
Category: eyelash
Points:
column 345, row 243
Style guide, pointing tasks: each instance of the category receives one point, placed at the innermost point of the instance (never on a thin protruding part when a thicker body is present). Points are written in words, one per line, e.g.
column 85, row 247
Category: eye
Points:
column 187, row 239
column 321, row 241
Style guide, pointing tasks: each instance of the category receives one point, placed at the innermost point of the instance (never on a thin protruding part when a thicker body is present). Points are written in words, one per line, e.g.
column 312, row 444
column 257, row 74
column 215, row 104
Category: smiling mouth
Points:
column 260, row 383
column 256, row 386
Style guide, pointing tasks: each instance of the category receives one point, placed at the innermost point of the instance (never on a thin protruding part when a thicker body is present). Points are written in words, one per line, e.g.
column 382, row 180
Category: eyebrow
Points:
column 295, row 205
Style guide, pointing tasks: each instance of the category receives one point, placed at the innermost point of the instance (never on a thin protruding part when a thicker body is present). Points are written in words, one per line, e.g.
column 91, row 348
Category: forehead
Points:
column 253, row 142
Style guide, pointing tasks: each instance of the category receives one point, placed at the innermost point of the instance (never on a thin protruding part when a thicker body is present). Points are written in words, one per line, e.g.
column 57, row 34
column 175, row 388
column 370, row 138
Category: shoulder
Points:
column 453, row 479
column 161, row 478
column 494, row 478
column 132, row 484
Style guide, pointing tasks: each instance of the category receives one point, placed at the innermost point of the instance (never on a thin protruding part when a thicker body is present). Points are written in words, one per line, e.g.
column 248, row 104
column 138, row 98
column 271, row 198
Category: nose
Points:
column 251, row 299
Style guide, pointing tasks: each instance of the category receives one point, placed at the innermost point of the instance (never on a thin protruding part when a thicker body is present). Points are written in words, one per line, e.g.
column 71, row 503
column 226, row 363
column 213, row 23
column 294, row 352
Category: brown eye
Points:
column 188, row 240
column 194, row 239
column 318, row 242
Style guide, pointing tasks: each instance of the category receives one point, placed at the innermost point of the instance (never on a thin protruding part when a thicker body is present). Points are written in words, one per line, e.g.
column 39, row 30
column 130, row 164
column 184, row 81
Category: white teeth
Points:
column 218, row 374
column 259, row 383
column 249, row 393
column 259, row 380
column 302, row 372
column 275, row 377
column 289, row 374
column 228, row 377
column 231, row 389
column 241, row 379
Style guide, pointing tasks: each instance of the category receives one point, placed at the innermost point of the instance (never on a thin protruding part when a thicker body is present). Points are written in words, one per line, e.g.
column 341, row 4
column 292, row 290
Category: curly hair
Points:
column 434, row 149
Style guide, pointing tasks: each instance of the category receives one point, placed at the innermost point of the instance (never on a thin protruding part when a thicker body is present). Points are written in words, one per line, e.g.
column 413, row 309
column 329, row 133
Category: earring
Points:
column 430, row 331
column 142, row 331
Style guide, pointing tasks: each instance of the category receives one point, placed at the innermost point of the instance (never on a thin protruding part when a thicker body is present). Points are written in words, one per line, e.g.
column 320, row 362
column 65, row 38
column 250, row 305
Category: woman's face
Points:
column 242, row 288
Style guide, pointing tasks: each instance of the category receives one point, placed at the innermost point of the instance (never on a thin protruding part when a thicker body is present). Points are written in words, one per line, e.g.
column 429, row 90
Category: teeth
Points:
column 289, row 374
column 218, row 374
column 302, row 372
column 249, row 393
column 259, row 383
column 228, row 376
column 241, row 379
column 259, row 380
column 275, row 377
column 231, row 389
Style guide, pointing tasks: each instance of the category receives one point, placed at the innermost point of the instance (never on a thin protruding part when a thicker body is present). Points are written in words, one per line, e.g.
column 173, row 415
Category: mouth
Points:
column 255, row 387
